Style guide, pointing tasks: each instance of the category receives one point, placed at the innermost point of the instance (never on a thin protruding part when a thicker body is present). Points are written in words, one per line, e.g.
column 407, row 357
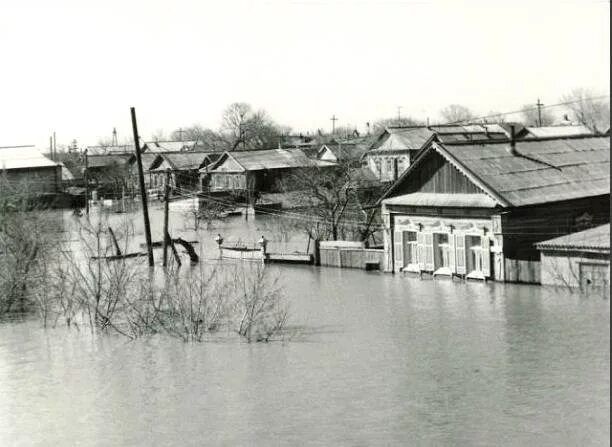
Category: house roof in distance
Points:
column 597, row 238
column 23, row 157
column 556, row 131
column 269, row 159
column 537, row 171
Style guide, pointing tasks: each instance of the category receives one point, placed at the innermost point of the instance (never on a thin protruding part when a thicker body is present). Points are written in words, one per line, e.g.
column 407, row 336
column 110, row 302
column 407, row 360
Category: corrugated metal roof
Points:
column 169, row 146
column 272, row 159
column 23, row 157
column 558, row 131
column 597, row 238
column 546, row 170
column 108, row 150
column 410, row 138
column 102, row 161
column 442, row 200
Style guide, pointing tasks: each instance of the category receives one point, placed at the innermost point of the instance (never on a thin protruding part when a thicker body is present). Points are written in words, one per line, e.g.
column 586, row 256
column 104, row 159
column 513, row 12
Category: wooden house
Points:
column 257, row 170
column 184, row 169
column 396, row 147
column 25, row 168
column 477, row 209
column 580, row 259
column 348, row 154
column 109, row 173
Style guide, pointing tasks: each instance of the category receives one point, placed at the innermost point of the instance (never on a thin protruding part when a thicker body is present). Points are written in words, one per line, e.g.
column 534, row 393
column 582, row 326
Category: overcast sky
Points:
column 76, row 67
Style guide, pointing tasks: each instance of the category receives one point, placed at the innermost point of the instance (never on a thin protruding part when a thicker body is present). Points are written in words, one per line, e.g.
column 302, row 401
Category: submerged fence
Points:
column 350, row 255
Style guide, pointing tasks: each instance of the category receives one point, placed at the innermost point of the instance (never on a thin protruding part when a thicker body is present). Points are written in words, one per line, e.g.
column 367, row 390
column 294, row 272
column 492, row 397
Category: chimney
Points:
column 513, row 150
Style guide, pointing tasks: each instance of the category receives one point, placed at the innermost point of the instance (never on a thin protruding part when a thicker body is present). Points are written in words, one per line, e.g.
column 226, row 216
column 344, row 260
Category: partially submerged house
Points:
column 396, row 147
column 109, row 173
column 184, row 168
column 478, row 208
column 257, row 170
column 25, row 168
column 580, row 259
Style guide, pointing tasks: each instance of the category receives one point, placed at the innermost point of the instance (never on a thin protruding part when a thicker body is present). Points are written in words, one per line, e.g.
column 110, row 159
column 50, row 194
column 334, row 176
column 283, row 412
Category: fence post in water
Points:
column 262, row 245
column 166, row 212
column 219, row 241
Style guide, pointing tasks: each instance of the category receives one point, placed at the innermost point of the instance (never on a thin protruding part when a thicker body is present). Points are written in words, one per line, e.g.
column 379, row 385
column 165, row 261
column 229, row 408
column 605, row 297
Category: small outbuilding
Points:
column 579, row 259
column 25, row 167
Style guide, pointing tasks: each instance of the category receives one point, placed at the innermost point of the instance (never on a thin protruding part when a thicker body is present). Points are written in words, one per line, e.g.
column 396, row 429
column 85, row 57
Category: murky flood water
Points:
column 376, row 359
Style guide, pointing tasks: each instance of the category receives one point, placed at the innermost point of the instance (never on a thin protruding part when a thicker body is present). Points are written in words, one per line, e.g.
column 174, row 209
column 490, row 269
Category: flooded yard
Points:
column 372, row 359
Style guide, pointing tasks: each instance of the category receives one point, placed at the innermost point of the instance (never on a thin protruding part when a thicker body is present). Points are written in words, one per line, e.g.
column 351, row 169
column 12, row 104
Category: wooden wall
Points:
column 436, row 175
column 351, row 257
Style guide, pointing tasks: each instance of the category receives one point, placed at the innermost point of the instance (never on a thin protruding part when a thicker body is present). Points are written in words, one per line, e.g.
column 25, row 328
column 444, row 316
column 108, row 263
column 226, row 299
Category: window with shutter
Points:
column 460, row 253
column 451, row 253
column 429, row 252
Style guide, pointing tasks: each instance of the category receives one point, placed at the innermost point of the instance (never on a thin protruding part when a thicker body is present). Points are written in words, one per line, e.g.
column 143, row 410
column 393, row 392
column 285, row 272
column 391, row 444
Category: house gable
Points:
column 228, row 164
column 436, row 175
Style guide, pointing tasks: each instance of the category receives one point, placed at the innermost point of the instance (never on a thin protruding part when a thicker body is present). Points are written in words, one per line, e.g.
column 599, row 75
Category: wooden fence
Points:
column 350, row 255
column 522, row 271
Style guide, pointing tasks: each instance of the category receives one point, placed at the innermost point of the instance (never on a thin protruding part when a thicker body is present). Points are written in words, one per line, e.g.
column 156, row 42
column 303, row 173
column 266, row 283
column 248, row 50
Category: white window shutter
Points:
column 429, row 252
column 486, row 255
column 421, row 250
column 460, row 253
column 451, row 253
column 398, row 250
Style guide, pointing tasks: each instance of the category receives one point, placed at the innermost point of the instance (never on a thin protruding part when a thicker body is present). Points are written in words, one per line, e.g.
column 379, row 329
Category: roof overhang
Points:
column 443, row 200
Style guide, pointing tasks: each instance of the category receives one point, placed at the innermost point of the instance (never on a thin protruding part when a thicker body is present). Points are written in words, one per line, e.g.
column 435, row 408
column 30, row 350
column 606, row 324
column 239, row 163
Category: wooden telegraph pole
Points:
column 166, row 211
column 143, row 192
column 86, row 185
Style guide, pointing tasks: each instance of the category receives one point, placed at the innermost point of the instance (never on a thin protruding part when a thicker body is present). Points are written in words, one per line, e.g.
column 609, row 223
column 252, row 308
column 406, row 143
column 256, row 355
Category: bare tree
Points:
column 456, row 113
column 397, row 122
column 593, row 113
column 246, row 128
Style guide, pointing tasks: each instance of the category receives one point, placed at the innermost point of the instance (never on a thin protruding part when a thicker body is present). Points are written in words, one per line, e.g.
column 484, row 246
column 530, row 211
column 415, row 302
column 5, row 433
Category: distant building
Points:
column 183, row 166
column 396, row 147
column 25, row 168
column 478, row 208
column 109, row 173
column 257, row 170
column 554, row 131
column 579, row 259
column 350, row 154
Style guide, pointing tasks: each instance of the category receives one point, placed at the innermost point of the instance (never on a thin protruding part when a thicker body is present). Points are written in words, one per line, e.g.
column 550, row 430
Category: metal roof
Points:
column 597, row 238
column 23, row 157
column 271, row 159
column 541, row 171
column 109, row 150
column 103, row 161
column 443, row 200
column 557, row 131
column 169, row 146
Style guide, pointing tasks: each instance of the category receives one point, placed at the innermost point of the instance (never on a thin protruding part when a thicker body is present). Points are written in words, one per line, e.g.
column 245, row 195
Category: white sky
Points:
column 76, row 67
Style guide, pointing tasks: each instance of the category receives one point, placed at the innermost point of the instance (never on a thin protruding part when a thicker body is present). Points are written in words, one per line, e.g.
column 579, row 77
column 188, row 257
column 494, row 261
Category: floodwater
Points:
column 376, row 359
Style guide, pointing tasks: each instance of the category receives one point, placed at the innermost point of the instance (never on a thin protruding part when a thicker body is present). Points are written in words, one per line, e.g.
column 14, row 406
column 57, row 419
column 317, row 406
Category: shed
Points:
column 580, row 259
column 26, row 167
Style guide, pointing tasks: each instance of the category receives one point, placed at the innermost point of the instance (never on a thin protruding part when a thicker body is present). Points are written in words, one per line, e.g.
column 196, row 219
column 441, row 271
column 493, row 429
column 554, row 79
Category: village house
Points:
column 183, row 167
column 476, row 209
column 348, row 153
column 25, row 168
column 257, row 170
column 109, row 174
column 396, row 147
column 579, row 259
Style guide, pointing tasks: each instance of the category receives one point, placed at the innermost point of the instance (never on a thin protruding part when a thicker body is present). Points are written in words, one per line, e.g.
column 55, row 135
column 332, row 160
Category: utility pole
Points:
column 115, row 137
column 86, row 184
column 54, row 148
column 539, row 105
column 333, row 120
column 399, row 115
column 166, row 212
column 143, row 192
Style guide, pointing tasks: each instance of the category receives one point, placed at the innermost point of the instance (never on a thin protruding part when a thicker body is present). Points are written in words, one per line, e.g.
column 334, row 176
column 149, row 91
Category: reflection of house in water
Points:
column 477, row 208
column 579, row 259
